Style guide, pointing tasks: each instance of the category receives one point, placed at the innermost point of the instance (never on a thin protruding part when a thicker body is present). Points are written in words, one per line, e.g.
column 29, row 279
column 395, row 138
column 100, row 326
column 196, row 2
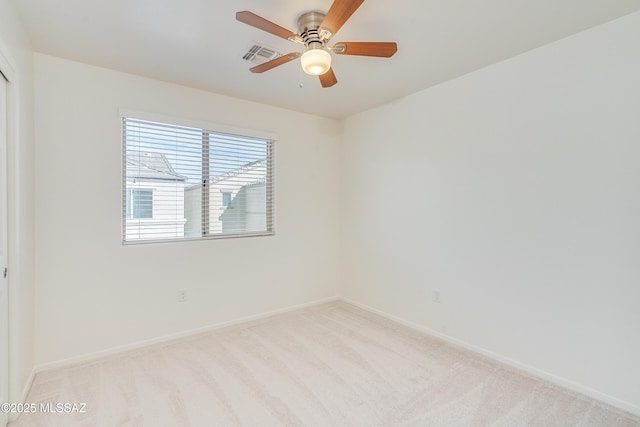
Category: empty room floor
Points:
column 328, row 365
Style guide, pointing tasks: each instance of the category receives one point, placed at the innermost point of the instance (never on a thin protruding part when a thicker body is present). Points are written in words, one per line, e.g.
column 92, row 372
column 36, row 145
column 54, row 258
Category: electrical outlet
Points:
column 183, row 295
column 436, row 297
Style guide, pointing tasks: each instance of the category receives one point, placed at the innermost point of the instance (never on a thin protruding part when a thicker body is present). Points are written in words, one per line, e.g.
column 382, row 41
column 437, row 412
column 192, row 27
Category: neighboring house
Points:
column 154, row 195
column 237, row 201
column 246, row 212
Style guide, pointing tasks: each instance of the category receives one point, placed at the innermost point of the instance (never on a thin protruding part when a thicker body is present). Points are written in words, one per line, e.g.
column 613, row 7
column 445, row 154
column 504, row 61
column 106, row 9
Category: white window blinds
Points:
column 189, row 183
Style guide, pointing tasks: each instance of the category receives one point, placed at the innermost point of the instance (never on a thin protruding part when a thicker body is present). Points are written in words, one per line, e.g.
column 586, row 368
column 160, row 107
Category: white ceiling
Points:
column 199, row 43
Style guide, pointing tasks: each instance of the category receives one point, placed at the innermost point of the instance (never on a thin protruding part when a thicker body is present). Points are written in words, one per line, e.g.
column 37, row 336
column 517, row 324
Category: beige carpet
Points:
column 328, row 365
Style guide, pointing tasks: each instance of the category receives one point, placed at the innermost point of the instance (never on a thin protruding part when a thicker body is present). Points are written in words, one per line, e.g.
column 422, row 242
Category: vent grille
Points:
column 259, row 54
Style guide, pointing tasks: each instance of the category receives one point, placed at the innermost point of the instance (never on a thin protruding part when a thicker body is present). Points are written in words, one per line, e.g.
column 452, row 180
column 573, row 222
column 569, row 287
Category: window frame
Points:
column 129, row 192
column 206, row 127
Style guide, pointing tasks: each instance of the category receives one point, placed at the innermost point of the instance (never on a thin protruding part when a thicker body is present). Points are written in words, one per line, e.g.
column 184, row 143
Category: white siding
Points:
column 168, row 218
column 193, row 211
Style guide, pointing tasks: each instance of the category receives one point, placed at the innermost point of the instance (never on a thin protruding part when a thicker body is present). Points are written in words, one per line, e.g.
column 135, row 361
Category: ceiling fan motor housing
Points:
column 309, row 29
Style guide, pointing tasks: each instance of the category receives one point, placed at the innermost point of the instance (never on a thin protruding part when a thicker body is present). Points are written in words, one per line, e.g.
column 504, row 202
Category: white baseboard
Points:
column 120, row 349
column 531, row 370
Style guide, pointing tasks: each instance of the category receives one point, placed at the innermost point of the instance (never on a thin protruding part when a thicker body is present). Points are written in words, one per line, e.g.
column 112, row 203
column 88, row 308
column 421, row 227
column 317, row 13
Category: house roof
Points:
column 147, row 165
column 247, row 167
column 244, row 168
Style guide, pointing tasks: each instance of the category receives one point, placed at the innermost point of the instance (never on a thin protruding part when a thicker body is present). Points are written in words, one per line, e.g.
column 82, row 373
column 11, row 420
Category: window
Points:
column 142, row 206
column 191, row 183
column 226, row 199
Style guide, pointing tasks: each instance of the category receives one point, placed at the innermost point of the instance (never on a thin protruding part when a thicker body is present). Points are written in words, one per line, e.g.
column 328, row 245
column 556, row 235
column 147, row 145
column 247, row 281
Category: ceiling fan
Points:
column 315, row 29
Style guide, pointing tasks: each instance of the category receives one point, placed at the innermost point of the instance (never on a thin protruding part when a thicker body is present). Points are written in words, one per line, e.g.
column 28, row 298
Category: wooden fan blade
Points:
column 339, row 12
column 328, row 79
column 380, row 49
column 259, row 22
column 275, row 62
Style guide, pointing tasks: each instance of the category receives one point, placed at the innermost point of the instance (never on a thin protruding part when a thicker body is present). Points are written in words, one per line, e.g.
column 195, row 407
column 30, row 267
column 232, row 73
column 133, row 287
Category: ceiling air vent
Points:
column 259, row 54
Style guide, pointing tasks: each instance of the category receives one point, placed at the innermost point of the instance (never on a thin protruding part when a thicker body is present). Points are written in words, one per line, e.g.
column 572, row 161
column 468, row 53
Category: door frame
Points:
column 7, row 75
column 4, row 245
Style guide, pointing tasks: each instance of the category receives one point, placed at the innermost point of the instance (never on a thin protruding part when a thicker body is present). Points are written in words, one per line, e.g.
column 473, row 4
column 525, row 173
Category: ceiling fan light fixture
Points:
column 316, row 61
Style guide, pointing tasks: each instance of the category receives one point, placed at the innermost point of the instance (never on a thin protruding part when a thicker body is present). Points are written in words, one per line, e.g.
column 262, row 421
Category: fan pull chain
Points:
column 300, row 77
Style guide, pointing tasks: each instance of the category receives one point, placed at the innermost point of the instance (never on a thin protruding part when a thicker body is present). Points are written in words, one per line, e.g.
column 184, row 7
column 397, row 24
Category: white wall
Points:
column 515, row 192
column 15, row 47
column 93, row 293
